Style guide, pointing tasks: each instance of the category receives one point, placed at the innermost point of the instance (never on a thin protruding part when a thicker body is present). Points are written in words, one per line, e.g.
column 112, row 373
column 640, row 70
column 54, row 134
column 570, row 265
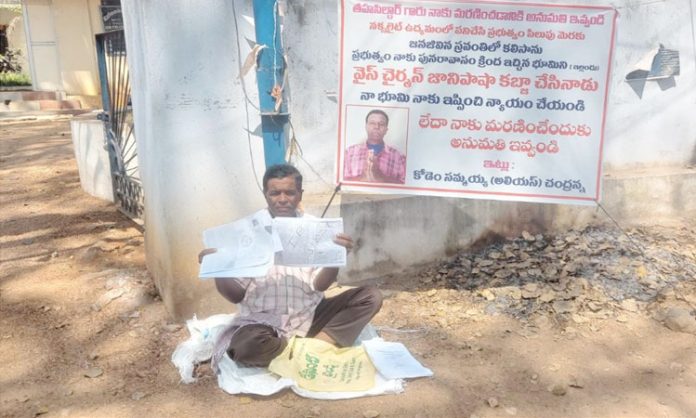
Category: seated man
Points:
column 290, row 300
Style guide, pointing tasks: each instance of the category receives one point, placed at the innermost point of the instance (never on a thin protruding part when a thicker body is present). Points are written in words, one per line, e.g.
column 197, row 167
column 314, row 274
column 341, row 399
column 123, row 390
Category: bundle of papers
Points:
column 393, row 360
column 250, row 246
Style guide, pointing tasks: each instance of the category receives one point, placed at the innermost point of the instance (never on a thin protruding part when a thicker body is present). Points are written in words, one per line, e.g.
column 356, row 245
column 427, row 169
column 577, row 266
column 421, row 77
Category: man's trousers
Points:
column 342, row 317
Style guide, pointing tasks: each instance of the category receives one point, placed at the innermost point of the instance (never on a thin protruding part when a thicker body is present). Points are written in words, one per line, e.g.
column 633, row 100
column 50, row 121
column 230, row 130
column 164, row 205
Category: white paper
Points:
column 308, row 242
column 393, row 360
column 226, row 235
column 249, row 246
column 222, row 264
column 245, row 248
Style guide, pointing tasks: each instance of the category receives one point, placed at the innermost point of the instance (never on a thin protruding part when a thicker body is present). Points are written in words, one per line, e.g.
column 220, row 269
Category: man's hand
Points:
column 204, row 253
column 344, row 240
column 372, row 172
column 371, row 167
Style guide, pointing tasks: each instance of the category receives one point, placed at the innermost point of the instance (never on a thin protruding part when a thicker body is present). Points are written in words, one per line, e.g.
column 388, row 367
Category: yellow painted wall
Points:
column 62, row 44
column 74, row 22
column 41, row 41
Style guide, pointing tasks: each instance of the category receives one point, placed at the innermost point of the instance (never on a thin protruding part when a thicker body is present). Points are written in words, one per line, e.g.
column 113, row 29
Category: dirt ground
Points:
column 580, row 325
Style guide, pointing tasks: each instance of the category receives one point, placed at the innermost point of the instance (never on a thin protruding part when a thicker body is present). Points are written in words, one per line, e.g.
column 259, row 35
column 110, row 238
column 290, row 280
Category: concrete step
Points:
column 20, row 106
column 27, row 95
column 60, row 104
column 39, row 95
column 34, row 105
column 39, row 115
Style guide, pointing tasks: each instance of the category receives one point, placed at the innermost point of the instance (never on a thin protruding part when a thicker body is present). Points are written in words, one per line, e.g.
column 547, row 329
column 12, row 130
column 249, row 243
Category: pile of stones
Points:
column 578, row 276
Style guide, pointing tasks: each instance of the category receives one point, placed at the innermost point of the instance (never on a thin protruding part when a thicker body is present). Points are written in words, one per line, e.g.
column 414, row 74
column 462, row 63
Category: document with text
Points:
column 308, row 242
column 251, row 246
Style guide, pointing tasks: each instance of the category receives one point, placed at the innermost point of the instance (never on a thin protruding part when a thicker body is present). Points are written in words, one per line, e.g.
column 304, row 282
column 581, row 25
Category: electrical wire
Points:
column 275, row 40
column 295, row 149
column 635, row 244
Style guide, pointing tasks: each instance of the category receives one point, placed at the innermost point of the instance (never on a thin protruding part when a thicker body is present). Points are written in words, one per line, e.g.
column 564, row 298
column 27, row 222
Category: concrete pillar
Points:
column 197, row 164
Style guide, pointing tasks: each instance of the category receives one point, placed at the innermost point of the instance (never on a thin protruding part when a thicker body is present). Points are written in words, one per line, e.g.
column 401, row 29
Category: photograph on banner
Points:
column 376, row 143
column 501, row 100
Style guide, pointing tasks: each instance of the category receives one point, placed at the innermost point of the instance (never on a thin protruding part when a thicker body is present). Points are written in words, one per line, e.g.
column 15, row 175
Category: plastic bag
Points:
column 317, row 365
column 199, row 347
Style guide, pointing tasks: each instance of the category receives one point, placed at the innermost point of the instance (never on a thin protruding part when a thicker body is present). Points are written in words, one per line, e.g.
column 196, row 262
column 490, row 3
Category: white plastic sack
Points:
column 199, row 347
column 253, row 380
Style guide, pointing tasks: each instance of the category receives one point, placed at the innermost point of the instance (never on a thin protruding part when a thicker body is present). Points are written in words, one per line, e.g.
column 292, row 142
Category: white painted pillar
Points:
column 190, row 125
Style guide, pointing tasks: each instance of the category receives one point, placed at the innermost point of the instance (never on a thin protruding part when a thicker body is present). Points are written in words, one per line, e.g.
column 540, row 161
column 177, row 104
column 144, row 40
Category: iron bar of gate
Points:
column 115, row 81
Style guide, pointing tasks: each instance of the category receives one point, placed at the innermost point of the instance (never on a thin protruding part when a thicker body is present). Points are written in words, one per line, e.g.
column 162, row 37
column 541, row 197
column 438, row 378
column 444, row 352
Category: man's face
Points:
column 376, row 128
column 282, row 196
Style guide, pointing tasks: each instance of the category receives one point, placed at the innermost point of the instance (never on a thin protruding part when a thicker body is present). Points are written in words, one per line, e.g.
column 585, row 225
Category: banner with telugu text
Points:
column 475, row 99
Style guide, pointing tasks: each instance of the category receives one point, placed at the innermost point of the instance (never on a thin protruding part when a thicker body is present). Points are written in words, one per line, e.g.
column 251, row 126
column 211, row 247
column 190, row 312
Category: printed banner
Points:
column 474, row 99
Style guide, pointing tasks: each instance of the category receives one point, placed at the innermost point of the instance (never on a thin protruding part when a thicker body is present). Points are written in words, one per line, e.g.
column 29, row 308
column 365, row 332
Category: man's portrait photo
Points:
column 376, row 143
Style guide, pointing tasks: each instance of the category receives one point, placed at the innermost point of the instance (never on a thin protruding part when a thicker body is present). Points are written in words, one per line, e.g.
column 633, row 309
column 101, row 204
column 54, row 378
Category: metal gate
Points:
column 118, row 123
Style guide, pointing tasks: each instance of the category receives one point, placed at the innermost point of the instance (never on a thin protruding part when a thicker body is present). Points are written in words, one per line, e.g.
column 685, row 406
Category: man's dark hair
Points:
column 379, row 112
column 280, row 171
